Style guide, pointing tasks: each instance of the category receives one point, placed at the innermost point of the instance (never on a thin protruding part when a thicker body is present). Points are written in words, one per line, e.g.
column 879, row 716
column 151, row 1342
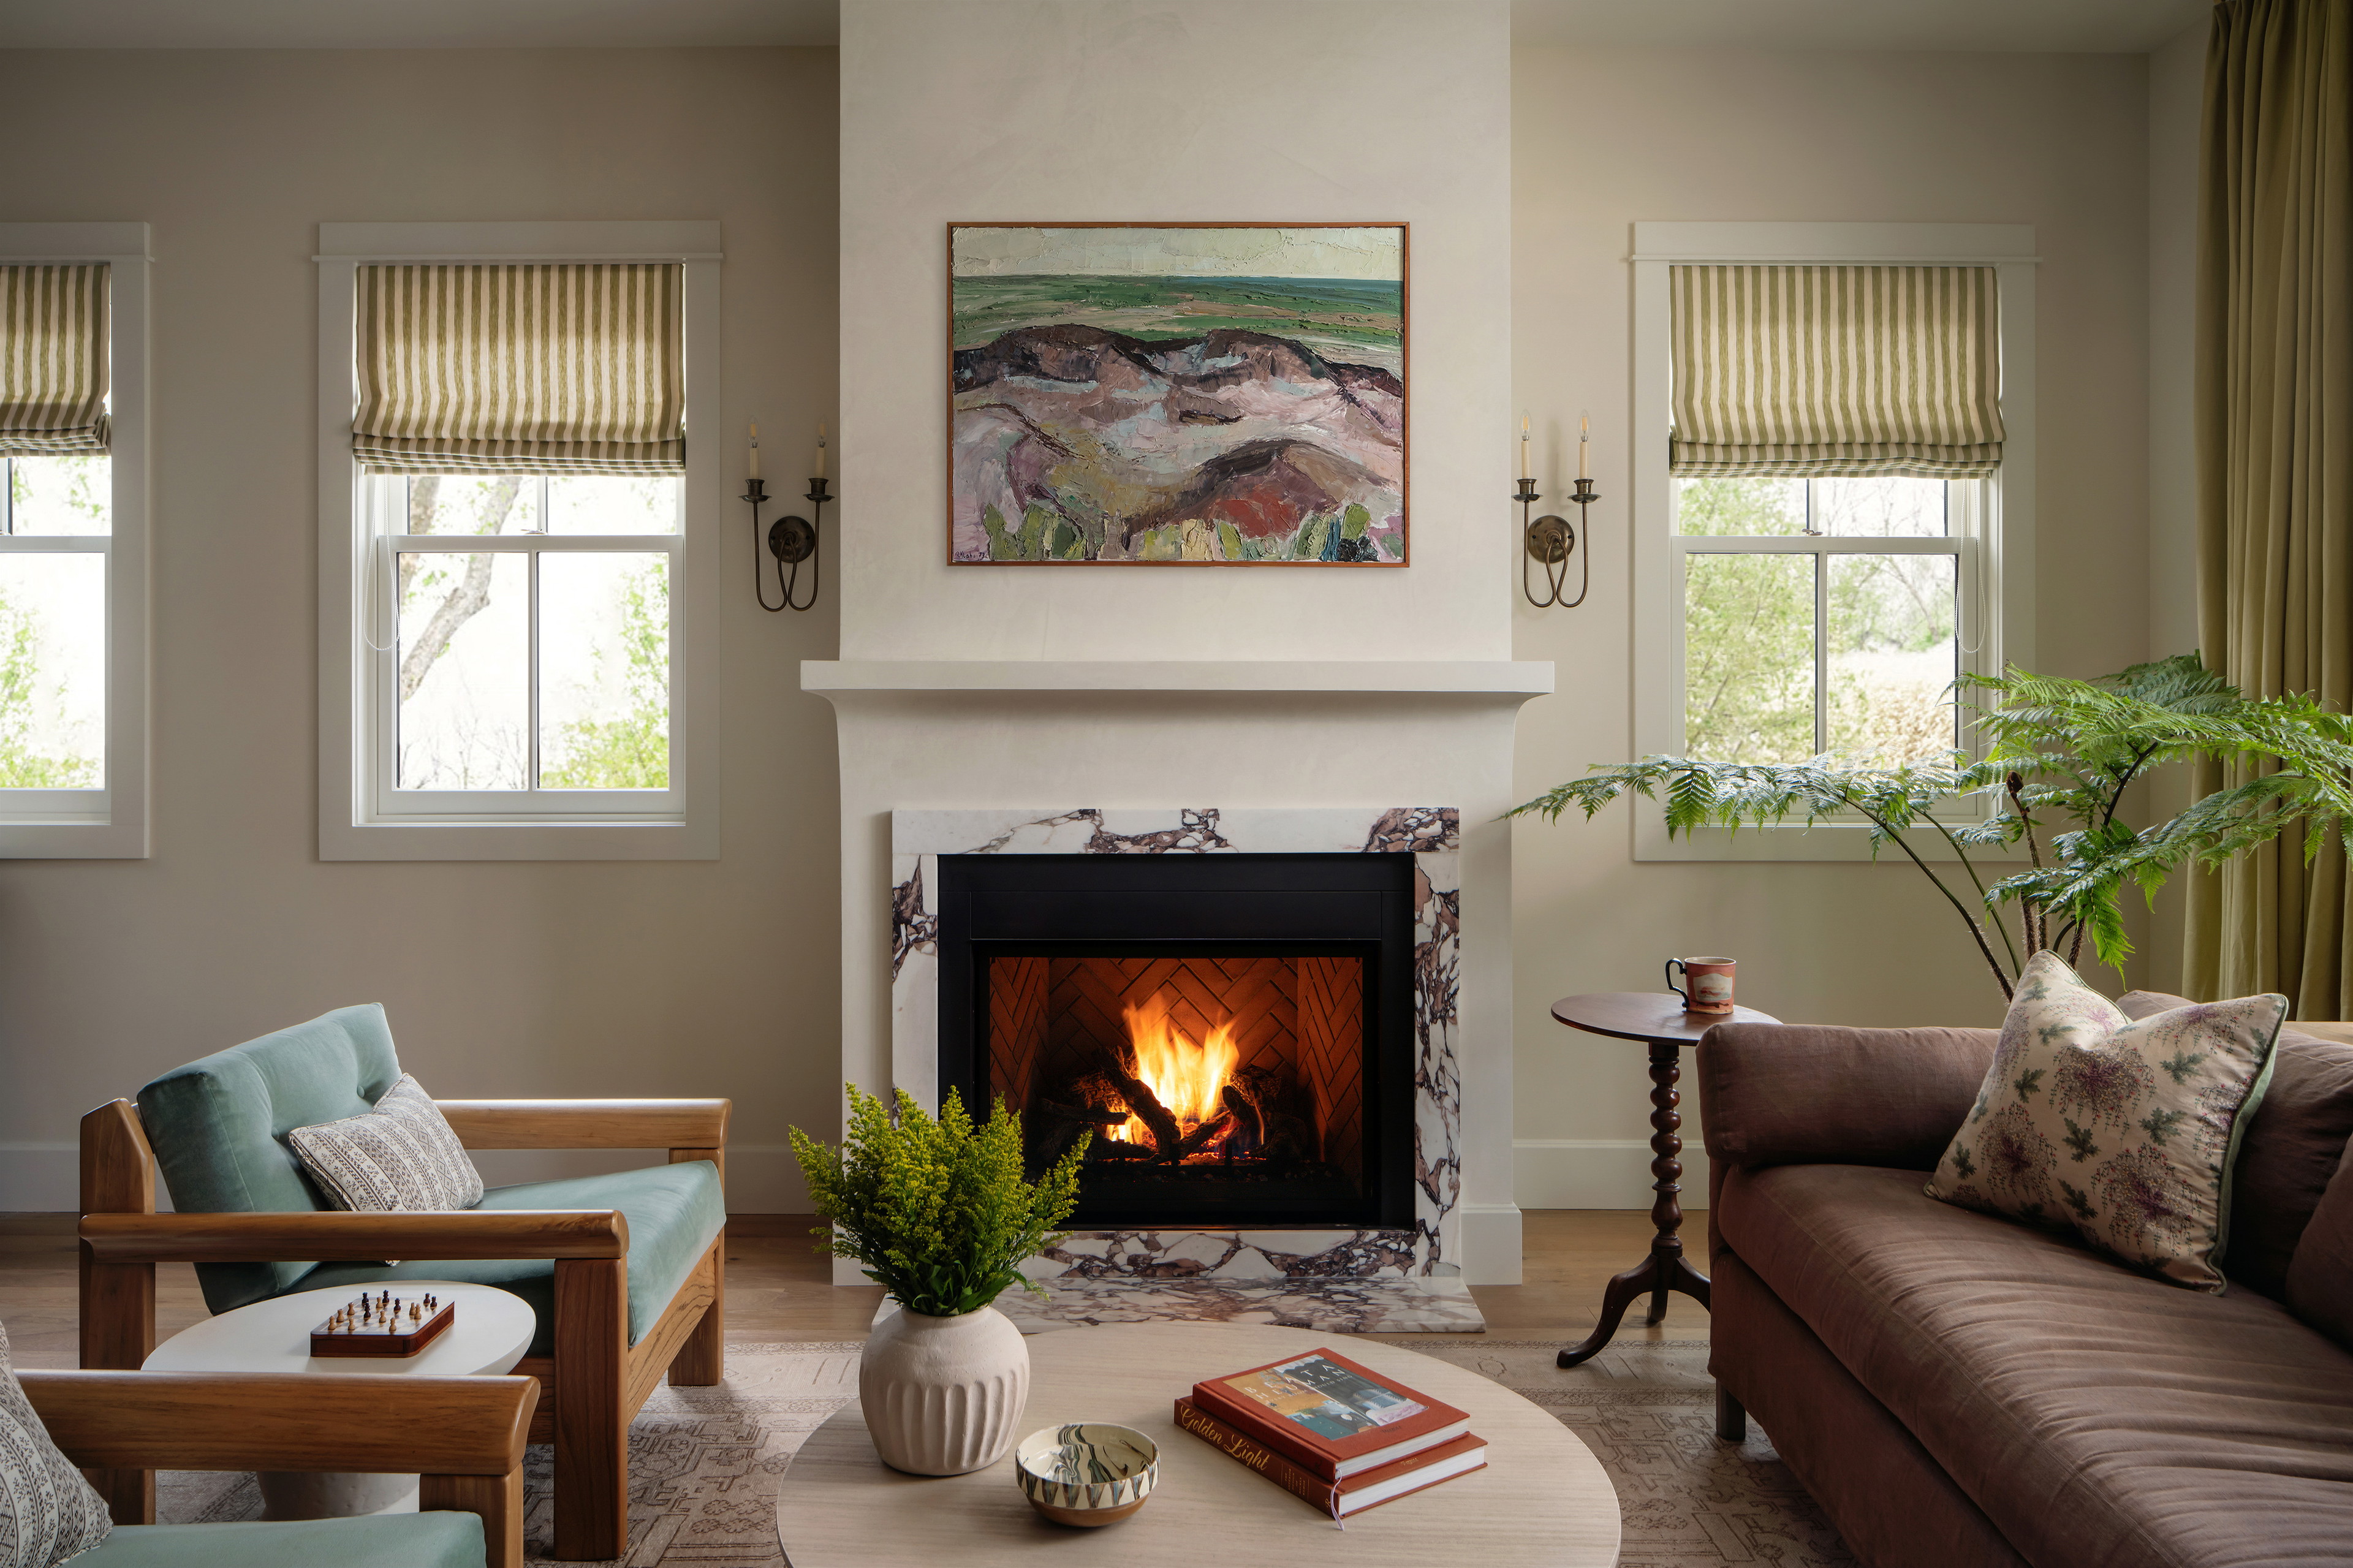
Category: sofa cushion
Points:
column 2292, row 1146
column 2100, row 1417
column 2125, row 1130
column 2320, row 1280
column 49, row 1513
column 675, row 1212
column 373, row 1541
column 218, row 1127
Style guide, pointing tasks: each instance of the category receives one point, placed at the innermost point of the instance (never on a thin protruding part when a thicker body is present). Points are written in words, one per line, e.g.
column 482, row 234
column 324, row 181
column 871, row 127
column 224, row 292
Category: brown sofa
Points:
column 1957, row 1389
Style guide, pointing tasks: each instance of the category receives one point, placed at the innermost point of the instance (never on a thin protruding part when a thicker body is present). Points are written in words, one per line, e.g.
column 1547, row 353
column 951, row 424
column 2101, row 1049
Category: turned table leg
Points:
column 1666, row 1268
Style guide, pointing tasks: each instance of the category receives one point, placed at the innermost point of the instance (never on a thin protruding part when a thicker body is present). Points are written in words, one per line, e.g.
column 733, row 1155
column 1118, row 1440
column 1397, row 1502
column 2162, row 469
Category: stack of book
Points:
column 1336, row 1435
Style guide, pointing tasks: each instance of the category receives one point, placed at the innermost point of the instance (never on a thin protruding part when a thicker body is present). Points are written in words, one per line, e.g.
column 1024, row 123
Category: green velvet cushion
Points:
column 374, row 1540
column 674, row 1212
column 219, row 1126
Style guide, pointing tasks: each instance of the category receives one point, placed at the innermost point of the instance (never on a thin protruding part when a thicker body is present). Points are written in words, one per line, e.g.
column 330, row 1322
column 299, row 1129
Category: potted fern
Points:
column 939, row 1215
column 2060, row 756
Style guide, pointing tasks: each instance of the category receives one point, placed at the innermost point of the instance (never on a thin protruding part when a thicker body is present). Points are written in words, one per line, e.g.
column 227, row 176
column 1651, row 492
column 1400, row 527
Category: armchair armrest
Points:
column 338, row 1235
column 1778, row 1094
column 301, row 1421
column 588, row 1123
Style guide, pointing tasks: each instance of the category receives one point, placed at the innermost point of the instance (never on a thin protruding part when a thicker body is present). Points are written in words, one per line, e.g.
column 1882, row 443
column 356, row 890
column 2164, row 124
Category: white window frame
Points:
column 358, row 819
column 108, row 824
column 1994, row 516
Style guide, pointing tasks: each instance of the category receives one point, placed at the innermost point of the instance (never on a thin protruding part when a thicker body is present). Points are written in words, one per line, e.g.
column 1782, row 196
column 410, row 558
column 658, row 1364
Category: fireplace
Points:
column 1231, row 1034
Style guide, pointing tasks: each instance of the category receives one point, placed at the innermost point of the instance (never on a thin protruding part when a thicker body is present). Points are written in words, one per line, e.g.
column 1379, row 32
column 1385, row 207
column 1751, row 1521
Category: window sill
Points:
column 517, row 841
column 1795, row 841
column 67, row 838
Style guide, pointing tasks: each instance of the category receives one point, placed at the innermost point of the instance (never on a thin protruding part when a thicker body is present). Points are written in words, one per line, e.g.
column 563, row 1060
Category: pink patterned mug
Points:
column 1710, row 980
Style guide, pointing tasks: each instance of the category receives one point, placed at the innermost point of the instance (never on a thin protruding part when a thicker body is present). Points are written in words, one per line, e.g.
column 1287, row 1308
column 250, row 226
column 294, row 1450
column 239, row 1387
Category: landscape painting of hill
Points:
column 1172, row 394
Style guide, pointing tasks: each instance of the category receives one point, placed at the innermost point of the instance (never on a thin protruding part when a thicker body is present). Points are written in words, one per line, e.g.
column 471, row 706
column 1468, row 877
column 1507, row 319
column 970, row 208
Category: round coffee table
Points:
column 1661, row 1021
column 491, row 1330
column 1542, row 1499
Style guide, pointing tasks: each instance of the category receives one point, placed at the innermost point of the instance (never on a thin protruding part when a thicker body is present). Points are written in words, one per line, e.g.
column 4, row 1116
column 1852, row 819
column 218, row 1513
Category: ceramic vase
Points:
column 943, row 1396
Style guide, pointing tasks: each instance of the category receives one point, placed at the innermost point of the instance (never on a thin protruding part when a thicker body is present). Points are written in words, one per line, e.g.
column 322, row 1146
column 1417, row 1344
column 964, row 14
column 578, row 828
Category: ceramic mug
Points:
column 1710, row 980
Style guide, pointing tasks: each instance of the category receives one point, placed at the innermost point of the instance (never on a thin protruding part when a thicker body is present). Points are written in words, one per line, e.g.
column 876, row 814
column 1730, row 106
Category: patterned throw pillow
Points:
column 2125, row 1130
column 48, row 1512
column 399, row 1158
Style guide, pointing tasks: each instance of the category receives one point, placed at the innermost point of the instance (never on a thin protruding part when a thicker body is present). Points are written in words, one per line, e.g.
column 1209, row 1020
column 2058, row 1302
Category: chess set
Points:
column 383, row 1324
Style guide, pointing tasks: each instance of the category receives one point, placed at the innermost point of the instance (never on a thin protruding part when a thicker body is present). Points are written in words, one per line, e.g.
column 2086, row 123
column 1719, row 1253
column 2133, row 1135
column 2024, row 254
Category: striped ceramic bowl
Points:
column 1089, row 1474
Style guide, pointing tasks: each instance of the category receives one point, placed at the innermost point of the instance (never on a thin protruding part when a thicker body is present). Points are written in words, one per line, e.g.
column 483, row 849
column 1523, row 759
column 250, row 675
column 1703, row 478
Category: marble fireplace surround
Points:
column 1430, row 1249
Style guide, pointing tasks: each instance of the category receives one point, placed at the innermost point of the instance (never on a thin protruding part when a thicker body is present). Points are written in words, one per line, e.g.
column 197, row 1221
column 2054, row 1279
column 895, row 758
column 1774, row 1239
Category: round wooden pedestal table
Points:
column 1660, row 1021
column 1542, row 1499
column 491, row 1330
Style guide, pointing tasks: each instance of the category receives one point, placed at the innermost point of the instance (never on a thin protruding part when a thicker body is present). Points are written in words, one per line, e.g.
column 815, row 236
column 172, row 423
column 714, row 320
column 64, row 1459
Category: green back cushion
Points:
column 219, row 1126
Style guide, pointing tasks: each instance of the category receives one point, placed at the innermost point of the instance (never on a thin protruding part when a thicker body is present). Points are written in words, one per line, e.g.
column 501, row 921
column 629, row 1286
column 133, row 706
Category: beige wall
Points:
column 1601, row 140
column 507, row 979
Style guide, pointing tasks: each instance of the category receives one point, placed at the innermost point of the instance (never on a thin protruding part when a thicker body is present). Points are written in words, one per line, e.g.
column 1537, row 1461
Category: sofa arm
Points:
column 299, row 1421
column 588, row 1123
column 1782, row 1094
column 341, row 1236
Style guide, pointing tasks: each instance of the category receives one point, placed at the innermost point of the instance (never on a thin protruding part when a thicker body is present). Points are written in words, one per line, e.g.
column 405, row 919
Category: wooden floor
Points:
column 779, row 1287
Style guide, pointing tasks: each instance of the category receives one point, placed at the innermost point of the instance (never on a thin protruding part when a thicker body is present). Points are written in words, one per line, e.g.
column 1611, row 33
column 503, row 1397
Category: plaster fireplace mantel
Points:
column 1498, row 678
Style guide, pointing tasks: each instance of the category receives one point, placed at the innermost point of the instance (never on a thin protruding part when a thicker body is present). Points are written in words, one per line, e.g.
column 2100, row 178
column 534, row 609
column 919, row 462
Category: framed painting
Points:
column 1178, row 393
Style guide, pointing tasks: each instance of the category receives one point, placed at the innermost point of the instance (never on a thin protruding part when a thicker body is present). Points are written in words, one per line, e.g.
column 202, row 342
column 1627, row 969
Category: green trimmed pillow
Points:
column 2124, row 1131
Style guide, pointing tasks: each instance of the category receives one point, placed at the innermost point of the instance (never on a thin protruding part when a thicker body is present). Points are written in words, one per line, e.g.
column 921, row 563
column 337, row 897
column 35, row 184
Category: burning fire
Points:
column 1186, row 1077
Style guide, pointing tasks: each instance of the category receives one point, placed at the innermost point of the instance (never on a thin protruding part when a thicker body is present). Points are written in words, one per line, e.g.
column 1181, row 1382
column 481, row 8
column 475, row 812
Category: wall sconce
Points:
column 1552, row 539
column 790, row 539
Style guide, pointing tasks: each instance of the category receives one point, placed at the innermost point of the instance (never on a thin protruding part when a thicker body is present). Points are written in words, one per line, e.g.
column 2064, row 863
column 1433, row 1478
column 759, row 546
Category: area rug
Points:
column 704, row 1462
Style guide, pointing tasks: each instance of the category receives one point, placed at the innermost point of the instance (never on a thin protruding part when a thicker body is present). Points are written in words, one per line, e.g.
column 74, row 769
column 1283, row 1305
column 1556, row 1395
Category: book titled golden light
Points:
column 1350, row 1494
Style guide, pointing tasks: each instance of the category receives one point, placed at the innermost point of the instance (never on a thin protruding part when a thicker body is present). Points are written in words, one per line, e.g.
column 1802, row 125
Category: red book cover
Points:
column 1328, row 1415
column 1367, row 1488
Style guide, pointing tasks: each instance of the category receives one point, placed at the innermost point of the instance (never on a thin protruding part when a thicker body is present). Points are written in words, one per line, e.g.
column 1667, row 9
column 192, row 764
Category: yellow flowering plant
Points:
column 936, row 1209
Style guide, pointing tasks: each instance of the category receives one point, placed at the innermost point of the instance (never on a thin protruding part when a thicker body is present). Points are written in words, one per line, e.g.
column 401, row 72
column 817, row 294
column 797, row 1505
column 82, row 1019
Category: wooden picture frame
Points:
column 1119, row 393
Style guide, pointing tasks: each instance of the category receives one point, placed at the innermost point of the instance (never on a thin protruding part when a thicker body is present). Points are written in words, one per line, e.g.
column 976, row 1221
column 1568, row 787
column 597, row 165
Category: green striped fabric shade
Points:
column 1796, row 370
column 559, row 368
column 54, row 359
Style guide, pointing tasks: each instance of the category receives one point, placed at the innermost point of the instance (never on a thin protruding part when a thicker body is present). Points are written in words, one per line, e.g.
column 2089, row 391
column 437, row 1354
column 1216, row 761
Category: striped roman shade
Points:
column 54, row 359
column 1791, row 371
column 564, row 368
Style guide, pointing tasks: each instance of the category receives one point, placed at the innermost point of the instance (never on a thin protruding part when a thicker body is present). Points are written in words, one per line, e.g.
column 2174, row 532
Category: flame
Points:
column 1186, row 1076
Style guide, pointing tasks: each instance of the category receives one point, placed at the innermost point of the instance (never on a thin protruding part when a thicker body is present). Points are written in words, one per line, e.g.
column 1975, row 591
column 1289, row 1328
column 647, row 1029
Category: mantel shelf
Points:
column 1525, row 678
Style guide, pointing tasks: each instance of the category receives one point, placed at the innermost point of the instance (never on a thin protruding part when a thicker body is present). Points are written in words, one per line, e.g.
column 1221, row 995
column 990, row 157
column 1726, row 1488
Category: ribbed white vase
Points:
column 943, row 1396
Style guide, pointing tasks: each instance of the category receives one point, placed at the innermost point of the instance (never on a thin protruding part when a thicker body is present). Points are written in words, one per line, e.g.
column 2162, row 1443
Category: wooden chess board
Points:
column 383, row 1324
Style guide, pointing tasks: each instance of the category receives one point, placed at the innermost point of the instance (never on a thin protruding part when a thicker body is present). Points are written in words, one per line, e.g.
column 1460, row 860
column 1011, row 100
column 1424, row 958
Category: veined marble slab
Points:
column 1436, row 1305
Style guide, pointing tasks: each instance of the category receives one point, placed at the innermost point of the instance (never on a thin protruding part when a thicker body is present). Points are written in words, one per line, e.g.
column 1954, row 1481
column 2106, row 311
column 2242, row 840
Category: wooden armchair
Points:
column 463, row 1435
column 602, row 1348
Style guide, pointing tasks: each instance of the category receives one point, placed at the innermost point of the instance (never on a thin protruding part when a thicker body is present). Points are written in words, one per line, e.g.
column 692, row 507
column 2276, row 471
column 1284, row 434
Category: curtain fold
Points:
column 1792, row 371
column 55, row 359
column 2274, row 414
column 564, row 368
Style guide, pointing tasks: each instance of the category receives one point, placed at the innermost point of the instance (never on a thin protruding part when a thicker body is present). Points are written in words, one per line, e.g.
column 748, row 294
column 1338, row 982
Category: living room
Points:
column 1494, row 398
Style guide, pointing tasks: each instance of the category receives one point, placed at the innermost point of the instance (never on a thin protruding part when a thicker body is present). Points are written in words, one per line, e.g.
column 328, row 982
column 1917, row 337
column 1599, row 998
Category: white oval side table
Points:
column 490, row 1333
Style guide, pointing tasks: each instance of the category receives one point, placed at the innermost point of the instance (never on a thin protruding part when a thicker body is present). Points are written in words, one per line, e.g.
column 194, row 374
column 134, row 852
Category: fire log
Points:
column 1205, row 1135
column 1094, row 1114
column 1144, row 1103
column 1243, row 1109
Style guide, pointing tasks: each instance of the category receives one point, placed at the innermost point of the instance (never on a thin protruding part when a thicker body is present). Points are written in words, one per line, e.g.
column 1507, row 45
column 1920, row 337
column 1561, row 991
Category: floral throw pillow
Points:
column 2125, row 1132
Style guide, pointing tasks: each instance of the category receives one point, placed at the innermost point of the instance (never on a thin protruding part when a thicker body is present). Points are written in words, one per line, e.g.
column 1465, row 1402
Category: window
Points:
column 1799, row 589
column 519, row 669
column 1826, row 614
column 73, row 713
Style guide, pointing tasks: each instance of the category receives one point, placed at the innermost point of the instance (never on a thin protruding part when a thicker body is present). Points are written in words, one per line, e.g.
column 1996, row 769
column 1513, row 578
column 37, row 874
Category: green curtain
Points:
column 2274, row 414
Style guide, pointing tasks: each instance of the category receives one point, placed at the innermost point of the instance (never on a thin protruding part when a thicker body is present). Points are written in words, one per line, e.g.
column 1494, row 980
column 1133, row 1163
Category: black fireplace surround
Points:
column 1333, row 1152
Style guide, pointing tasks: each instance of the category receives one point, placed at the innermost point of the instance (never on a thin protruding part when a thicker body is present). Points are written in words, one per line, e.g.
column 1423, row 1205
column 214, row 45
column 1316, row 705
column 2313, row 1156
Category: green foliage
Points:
column 936, row 1210
column 24, row 763
column 2056, row 748
column 631, row 751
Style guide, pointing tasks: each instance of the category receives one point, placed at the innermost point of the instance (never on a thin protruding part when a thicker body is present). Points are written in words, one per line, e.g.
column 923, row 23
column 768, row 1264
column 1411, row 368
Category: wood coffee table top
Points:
column 1652, row 1017
column 1542, row 1499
